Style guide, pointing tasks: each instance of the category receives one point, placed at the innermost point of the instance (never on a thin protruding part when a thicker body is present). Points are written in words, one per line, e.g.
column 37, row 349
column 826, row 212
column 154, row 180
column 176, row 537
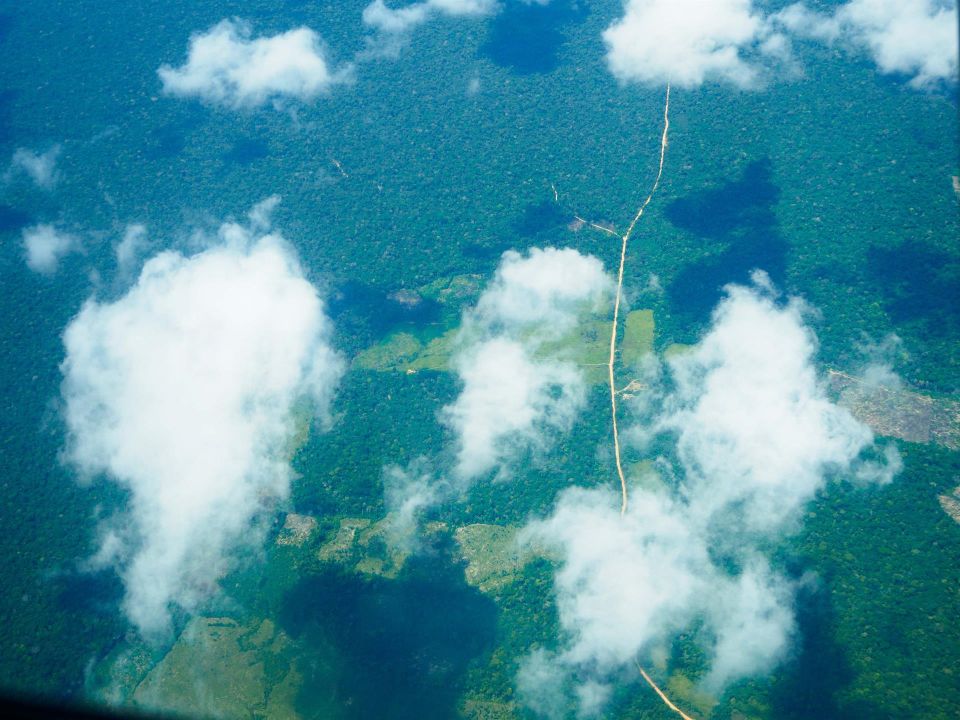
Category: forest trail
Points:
column 663, row 695
column 625, row 239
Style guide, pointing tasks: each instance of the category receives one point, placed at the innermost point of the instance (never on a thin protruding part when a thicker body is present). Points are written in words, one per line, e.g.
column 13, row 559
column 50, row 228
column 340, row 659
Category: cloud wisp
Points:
column 44, row 246
column 754, row 438
column 186, row 391
column 227, row 66
column 131, row 248
column 915, row 38
column 39, row 167
column 397, row 21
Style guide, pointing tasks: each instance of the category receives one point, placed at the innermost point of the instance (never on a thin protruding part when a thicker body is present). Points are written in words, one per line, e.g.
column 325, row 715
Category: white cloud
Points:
column 686, row 42
column 543, row 292
column 226, row 66
column 752, row 618
column 879, row 359
column 804, row 22
column 183, row 391
column 516, row 394
column 261, row 214
column 509, row 402
column 755, row 438
column 45, row 246
column 512, row 396
column 407, row 492
column 749, row 408
column 909, row 37
column 131, row 248
column 40, row 167
column 540, row 685
column 591, row 697
column 384, row 19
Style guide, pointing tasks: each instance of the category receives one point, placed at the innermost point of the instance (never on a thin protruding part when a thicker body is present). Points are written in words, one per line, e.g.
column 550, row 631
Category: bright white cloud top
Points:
column 45, row 246
column 689, row 42
column 756, row 439
column 755, row 431
column 39, row 167
column 917, row 38
column 187, row 391
column 512, row 394
column 227, row 66
column 509, row 401
column 686, row 42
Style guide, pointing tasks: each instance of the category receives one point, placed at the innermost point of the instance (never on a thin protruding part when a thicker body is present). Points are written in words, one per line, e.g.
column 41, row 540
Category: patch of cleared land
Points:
column 638, row 333
column 366, row 547
column 477, row 709
column 951, row 504
column 245, row 673
column 296, row 530
column 899, row 412
column 455, row 290
column 586, row 345
column 494, row 558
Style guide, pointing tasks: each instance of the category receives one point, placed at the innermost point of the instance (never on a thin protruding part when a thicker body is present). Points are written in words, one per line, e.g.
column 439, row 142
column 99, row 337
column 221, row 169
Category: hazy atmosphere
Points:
column 482, row 359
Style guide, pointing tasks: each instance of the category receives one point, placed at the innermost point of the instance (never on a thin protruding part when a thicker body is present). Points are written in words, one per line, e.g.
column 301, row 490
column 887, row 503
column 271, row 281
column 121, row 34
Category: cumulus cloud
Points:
column 45, row 246
column 131, row 247
column 512, row 394
column 39, row 167
column 227, row 66
column 689, row 42
column 518, row 391
column 917, row 38
column 509, row 401
column 749, row 407
column 185, row 391
column 755, row 438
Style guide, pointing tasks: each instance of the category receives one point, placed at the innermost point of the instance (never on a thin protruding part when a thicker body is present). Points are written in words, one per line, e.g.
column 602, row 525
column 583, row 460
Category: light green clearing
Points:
column 246, row 673
column 683, row 690
column 643, row 475
column 493, row 555
column 481, row 709
column 676, row 350
column 951, row 504
column 366, row 547
column 491, row 552
column 587, row 345
column 637, row 337
column 457, row 289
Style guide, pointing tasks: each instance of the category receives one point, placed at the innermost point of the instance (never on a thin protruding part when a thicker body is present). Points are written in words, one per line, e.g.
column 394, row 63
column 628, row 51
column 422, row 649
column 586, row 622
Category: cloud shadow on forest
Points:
column 246, row 151
column 526, row 37
column 368, row 313
column 810, row 685
column 738, row 220
column 921, row 283
column 403, row 646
